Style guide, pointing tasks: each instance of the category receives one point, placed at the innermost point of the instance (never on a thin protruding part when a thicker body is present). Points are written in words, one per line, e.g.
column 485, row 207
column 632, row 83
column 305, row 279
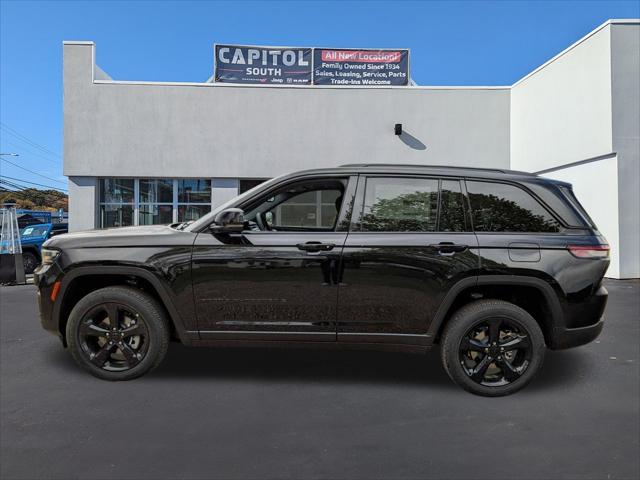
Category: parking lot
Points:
column 258, row 413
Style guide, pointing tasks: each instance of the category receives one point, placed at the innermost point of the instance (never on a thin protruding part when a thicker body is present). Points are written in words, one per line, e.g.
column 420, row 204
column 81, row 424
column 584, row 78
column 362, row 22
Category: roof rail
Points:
column 444, row 167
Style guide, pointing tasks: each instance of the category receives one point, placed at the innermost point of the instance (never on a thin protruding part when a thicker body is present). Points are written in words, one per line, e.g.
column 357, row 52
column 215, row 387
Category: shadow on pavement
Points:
column 333, row 366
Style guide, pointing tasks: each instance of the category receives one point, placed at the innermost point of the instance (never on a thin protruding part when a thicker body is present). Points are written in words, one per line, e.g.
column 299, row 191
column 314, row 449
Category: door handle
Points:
column 315, row 246
column 448, row 248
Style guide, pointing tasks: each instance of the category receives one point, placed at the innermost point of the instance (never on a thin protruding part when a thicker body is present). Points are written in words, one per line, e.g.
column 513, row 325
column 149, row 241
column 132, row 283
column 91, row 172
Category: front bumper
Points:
column 44, row 278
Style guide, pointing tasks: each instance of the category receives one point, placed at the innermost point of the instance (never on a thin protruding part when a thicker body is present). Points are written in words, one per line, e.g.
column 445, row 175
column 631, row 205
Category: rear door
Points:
column 410, row 241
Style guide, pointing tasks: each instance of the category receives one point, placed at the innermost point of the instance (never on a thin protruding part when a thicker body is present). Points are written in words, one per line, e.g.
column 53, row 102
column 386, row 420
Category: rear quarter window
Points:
column 501, row 207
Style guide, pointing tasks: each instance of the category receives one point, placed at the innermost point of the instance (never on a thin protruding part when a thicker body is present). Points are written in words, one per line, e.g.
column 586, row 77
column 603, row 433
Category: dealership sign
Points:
column 266, row 65
column 306, row 66
column 360, row 67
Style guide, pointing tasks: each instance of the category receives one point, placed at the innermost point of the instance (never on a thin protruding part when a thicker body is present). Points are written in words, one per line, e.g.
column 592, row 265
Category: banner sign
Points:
column 262, row 65
column 360, row 67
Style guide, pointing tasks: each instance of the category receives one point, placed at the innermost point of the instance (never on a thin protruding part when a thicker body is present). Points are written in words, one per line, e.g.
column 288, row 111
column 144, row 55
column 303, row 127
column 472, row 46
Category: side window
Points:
column 451, row 209
column 499, row 207
column 317, row 208
column 313, row 205
column 400, row 205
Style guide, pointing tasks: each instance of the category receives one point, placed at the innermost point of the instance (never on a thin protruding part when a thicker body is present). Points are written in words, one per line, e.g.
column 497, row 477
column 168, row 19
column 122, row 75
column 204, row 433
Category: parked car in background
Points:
column 493, row 266
column 32, row 237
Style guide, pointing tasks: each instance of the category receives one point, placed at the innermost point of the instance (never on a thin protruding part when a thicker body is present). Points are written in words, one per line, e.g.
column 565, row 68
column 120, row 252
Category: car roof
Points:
column 436, row 170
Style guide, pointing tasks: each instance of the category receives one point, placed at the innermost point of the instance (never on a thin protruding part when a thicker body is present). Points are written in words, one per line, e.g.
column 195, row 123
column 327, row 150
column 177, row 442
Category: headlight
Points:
column 49, row 255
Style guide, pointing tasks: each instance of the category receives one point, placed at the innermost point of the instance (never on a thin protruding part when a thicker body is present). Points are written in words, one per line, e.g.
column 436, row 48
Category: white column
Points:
column 83, row 203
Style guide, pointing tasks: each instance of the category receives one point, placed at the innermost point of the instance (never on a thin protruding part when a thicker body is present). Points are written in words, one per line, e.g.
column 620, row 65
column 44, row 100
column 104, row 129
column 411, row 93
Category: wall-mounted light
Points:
column 398, row 129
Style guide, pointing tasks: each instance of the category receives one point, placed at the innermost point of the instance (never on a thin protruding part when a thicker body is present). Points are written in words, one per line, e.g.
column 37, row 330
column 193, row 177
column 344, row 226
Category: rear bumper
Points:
column 574, row 337
column 590, row 320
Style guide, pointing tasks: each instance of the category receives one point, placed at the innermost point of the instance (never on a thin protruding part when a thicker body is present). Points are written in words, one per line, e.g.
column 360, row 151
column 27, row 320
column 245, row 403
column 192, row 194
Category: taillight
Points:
column 589, row 251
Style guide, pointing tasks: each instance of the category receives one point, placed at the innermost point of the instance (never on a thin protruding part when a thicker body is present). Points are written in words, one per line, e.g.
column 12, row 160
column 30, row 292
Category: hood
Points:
column 151, row 235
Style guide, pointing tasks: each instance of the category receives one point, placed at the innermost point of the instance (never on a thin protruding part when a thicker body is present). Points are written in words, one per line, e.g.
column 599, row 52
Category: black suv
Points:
column 492, row 265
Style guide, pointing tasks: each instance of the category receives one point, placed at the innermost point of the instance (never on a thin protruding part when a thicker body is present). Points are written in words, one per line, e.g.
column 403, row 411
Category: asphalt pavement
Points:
column 268, row 413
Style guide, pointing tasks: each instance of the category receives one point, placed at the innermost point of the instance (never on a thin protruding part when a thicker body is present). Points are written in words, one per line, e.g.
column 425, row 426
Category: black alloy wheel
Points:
column 492, row 347
column 113, row 337
column 495, row 352
column 118, row 333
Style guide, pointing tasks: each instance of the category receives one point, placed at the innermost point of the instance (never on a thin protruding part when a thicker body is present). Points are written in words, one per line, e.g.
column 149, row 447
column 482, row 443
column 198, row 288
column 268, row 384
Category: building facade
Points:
column 160, row 152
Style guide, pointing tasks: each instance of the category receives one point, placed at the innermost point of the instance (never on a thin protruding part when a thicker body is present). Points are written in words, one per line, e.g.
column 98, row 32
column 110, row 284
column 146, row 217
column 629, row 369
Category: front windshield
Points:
column 208, row 218
column 33, row 231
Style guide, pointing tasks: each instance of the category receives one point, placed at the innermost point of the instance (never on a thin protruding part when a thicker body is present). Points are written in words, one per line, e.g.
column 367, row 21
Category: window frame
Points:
column 340, row 226
column 561, row 223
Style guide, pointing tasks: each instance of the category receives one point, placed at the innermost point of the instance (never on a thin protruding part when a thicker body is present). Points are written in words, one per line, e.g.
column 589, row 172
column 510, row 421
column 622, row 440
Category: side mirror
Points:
column 230, row 220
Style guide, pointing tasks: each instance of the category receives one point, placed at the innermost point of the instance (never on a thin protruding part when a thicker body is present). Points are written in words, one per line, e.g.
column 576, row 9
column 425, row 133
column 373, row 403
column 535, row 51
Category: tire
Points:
column 139, row 344
column 477, row 364
column 30, row 261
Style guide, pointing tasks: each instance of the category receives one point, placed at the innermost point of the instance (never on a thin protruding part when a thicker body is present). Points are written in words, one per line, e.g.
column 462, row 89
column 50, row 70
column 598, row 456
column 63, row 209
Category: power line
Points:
column 30, row 152
column 26, row 139
column 31, row 171
column 32, row 183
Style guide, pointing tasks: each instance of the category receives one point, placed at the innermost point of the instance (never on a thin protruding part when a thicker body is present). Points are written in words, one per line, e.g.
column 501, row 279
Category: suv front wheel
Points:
column 492, row 348
column 118, row 333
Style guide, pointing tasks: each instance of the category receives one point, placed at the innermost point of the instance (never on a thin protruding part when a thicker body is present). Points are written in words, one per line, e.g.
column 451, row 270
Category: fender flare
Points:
column 174, row 315
column 542, row 286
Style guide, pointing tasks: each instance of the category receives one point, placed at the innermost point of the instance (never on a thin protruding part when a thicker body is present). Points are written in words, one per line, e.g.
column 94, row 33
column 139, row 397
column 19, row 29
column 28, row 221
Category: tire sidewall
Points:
column 474, row 314
column 32, row 256
column 151, row 315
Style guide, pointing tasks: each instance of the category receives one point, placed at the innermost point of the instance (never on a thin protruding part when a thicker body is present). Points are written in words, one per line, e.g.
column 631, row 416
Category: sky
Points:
column 451, row 43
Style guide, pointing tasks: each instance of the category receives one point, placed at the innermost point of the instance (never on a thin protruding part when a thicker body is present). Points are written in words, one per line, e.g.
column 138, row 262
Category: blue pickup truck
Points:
column 35, row 229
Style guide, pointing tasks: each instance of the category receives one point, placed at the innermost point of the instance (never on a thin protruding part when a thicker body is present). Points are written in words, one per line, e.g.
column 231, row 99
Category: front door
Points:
column 409, row 243
column 278, row 279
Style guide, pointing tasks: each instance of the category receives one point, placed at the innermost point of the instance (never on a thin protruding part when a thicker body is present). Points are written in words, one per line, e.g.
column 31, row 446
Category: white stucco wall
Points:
column 561, row 112
column 596, row 187
column 83, row 198
column 129, row 129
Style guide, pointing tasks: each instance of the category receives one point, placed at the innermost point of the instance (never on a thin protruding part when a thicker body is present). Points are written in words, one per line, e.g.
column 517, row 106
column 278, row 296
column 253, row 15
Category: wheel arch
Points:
column 534, row 295
column 81, row 281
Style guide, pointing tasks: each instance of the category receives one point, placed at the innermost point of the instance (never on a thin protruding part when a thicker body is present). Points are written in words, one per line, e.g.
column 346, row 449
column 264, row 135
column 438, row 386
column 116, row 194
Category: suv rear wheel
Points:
column 118, row 333
column 492, row 348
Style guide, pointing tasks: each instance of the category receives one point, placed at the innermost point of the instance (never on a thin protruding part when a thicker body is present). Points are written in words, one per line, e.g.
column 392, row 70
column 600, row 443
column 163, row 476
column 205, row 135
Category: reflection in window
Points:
column 498, row 207
column 194, row 198
column 192, row 212
column 116, row 190
column 156, row 190
column 400, row 205
column 116, row 202
column 192, row 190
column 155, row 214
column 451, row 209
column 116, row 215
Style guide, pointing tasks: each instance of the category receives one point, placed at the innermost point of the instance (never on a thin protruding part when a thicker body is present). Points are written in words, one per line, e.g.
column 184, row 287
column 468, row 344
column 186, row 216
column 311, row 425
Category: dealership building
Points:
column 159, row 152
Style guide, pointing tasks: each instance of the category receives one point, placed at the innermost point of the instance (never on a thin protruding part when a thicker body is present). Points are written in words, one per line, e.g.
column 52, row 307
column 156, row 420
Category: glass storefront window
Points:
column 155, row 214
column 116, row 202
column 152, row 201
column 116, row 215
column 192, row 190
column 116, row 190
column 192, row 212
column 156, row 190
